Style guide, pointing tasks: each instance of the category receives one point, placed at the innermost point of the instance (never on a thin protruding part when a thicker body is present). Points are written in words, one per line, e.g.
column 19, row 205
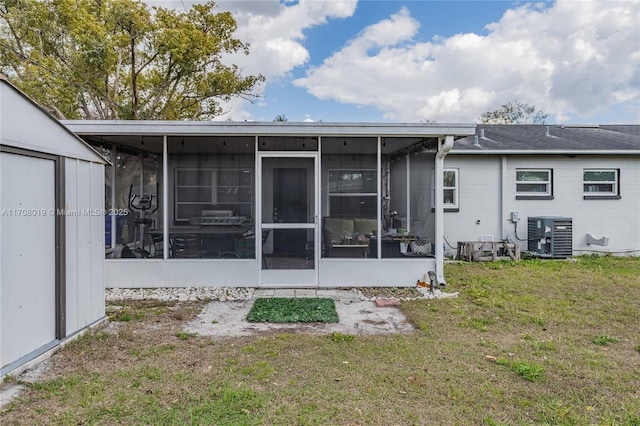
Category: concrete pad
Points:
column 229, row 319
column 264, row 293
column 284, row 292
column 305, row 293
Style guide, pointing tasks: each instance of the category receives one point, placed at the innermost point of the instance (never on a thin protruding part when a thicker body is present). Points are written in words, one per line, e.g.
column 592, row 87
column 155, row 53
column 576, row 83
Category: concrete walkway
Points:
column 361, row 317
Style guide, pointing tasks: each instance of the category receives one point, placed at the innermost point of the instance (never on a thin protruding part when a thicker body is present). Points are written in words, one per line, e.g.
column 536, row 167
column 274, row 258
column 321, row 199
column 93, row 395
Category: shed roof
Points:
column 550, row 139
column 40, row 138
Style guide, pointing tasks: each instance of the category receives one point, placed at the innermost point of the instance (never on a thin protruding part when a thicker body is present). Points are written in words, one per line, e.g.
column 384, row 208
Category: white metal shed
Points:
column 51, row 232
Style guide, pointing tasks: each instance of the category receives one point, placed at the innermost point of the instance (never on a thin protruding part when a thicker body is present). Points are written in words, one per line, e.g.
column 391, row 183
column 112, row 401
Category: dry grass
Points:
column 517, row 347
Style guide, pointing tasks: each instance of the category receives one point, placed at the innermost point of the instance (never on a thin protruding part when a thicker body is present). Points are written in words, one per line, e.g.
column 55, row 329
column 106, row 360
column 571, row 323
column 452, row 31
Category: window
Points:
column 449, row 190
column 352, row 193
column 534, row 183
column 201, row 189
column 600, row 183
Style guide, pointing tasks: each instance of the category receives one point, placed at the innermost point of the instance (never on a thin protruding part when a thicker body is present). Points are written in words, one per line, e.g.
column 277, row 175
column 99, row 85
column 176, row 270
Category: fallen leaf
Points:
column 490, row 358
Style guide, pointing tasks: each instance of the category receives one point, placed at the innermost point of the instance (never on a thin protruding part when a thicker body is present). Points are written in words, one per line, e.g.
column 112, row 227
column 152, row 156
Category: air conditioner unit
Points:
column 550, row 236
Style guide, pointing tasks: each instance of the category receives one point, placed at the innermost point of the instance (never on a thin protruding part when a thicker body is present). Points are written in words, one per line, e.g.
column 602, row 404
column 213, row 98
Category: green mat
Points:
column 284, row 310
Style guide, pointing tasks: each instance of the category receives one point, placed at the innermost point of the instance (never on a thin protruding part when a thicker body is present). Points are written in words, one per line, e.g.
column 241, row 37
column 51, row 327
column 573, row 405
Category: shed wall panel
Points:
column 71, row 240
column 84, row 183
column 97, row 240
column 27, row 255
column 84, row 244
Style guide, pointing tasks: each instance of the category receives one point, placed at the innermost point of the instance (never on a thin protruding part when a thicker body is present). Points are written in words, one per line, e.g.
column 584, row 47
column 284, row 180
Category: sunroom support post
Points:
column 114, row 167
column 407, row 225
column 444, row 146
column 165, row 197
column 379, row 198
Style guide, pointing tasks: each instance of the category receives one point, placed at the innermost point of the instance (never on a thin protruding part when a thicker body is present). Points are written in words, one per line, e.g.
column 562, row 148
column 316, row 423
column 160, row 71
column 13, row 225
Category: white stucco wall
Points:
column 488, row 197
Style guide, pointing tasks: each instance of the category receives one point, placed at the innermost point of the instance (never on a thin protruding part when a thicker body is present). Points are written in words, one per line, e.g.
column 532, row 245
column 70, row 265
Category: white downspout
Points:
column 443, row 150
column 503, row 191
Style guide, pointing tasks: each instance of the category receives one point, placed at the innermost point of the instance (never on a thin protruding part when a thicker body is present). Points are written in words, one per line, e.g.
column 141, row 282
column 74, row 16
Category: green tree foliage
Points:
column 514, row 113
column 281, row 117
column 120, row 59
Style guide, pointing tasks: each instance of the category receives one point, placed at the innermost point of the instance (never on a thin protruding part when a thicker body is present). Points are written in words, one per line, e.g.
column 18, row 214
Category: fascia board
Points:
column 546, row 152
column 199, row 128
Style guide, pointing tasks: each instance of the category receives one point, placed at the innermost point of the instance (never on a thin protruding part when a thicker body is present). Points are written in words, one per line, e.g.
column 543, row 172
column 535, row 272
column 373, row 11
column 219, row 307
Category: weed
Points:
column 526, row 370
column 185, row 335
column 126, row 315
column 103, row 335
column 476, row 323
column 604, row 340
column 261, row 370
column 336, row 336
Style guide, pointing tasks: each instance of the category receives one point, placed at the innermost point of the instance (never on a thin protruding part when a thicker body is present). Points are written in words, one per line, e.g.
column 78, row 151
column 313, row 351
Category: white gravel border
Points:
column 223, row 294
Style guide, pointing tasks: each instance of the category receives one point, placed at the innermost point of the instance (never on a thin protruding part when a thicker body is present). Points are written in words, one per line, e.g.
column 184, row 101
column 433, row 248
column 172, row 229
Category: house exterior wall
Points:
column 488, row 195
column 84, row 240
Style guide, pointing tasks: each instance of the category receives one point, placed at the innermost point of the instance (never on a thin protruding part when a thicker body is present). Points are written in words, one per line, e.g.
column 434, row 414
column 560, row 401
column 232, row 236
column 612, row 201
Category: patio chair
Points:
column 186, row 246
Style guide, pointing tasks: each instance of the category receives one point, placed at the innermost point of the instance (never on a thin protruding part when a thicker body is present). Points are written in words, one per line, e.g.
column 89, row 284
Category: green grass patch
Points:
column 284, row 310
column 604, row 340
column 526, row 370
column 185, row 335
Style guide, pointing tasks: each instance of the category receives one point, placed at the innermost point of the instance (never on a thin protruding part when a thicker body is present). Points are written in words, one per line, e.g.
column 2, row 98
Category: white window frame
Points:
column 455, row 188
column 548, row 183
column 614, row 183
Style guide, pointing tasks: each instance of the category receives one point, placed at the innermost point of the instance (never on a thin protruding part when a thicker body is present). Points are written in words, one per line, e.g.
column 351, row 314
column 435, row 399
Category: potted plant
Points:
column 404, row 245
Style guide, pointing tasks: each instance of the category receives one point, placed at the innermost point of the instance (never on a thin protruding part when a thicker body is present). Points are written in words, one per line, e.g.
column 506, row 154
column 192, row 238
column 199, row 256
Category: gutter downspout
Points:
column 501, row 196
column 443, row 150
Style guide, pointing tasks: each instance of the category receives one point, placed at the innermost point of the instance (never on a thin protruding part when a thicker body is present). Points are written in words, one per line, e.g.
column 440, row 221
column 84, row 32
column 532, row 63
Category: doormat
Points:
column 285, row 310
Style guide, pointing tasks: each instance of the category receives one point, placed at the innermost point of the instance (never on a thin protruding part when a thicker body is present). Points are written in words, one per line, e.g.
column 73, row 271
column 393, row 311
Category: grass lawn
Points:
column 534, row 342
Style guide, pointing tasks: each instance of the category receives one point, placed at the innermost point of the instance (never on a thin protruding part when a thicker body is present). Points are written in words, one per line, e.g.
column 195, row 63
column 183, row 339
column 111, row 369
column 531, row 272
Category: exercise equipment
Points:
column 141, row 206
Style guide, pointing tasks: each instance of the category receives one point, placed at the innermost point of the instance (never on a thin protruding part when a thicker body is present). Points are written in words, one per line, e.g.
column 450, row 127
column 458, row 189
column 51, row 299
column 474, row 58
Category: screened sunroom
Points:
column 272, row 204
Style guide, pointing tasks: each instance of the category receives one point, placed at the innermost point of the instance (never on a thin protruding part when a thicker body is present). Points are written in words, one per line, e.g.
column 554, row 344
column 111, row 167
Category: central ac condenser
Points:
column 550, row 236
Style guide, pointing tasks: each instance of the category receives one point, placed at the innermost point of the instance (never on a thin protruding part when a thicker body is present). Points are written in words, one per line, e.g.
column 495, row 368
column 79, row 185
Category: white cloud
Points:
column 571, row 58
column 275, row 31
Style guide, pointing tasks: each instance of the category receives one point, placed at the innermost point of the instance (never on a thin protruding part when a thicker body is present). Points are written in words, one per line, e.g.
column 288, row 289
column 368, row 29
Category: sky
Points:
column 440, row 61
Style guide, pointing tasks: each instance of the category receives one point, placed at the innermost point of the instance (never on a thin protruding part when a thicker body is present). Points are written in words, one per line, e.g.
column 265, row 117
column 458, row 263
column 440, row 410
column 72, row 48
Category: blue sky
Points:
column 413, row 61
